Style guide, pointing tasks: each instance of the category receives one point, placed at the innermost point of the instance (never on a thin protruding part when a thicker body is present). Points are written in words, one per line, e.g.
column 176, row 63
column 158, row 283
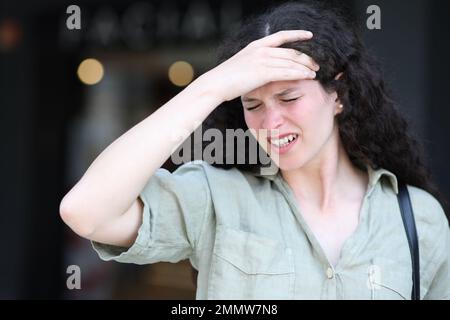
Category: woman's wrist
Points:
column 207, row 89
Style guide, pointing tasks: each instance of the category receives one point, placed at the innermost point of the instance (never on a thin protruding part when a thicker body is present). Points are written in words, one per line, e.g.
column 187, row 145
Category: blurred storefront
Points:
column 145, row 53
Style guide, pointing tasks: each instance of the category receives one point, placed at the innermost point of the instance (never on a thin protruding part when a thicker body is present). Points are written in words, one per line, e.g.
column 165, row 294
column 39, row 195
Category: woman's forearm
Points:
column 117, row 176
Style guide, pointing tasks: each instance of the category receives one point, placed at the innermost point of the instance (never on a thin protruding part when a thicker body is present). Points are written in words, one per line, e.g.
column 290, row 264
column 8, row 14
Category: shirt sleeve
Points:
column 435, row 248
column 440, row 285
column 175, row 207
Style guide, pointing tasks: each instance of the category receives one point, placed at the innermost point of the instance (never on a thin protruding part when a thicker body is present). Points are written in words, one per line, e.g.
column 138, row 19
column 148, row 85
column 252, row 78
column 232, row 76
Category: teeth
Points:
column 284, row 141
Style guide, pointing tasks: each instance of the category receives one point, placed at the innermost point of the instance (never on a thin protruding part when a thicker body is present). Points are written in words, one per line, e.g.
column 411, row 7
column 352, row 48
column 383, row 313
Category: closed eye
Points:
column 253, row 108
column 290, row 100
column 282, row 100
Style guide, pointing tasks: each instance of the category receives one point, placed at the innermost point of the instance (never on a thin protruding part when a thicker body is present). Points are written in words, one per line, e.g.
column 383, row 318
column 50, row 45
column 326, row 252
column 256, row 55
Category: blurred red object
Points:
column 10, row 34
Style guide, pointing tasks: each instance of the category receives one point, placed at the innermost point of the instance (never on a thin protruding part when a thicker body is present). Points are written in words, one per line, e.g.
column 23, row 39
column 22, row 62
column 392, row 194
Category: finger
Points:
column 295, row 56
column 281, row 37
column 292, row 73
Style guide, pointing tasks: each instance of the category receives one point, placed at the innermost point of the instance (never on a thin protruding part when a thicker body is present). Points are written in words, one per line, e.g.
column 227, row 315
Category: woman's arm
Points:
column 107, row 194
column 104, row 205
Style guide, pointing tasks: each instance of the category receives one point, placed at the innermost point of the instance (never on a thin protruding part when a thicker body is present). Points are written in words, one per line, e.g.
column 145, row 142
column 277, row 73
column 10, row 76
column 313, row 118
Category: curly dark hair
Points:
column 371, row 127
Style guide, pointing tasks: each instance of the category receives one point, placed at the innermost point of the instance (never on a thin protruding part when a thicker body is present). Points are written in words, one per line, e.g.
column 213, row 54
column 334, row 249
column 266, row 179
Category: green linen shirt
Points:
column 244, row 234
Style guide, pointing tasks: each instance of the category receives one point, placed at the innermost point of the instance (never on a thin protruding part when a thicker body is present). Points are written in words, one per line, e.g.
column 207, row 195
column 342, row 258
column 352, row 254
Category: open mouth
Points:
column 283, row 142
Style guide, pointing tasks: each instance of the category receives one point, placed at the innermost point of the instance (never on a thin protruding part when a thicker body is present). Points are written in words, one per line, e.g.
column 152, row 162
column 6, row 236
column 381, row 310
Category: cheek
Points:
column 313, row 118
column 254, row 120
column 251, row 120
column 301, row 114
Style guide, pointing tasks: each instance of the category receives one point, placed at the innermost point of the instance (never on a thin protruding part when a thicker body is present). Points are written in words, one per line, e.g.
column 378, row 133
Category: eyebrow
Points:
column 282, row 93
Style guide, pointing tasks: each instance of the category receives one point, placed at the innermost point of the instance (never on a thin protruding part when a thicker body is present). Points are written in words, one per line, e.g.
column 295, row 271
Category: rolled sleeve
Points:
column 175, row 207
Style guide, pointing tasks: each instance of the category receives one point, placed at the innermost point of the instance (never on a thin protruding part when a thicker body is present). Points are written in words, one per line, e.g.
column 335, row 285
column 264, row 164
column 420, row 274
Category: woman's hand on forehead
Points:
column 261, row 62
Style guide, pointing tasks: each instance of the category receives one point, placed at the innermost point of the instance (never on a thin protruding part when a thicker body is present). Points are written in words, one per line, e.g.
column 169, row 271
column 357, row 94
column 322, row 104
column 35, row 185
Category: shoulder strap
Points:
column 411, row 233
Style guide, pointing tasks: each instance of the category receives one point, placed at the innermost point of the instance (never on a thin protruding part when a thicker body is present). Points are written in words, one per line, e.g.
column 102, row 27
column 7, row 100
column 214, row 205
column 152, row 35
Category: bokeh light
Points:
column 90, row 71
column 181, row 73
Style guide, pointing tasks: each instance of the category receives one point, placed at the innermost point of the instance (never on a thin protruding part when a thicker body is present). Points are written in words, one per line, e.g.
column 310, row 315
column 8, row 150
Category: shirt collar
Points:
column 374, row 176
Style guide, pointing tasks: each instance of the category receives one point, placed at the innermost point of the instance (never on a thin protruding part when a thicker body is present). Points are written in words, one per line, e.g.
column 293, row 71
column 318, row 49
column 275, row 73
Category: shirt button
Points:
column 330, row 273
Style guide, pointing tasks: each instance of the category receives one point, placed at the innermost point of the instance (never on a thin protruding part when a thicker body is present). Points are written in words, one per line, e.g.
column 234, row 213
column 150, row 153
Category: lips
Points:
column 283, row 140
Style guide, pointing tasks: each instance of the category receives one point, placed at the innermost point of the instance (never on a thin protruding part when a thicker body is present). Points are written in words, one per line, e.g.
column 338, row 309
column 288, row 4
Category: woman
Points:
column 325, row 225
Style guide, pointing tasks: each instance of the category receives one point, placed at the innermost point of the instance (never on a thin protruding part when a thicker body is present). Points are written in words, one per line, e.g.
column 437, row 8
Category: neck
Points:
column 328, row 179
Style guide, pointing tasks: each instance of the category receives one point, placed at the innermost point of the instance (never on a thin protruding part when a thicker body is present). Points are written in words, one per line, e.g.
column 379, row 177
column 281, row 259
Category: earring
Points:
column 341, row 106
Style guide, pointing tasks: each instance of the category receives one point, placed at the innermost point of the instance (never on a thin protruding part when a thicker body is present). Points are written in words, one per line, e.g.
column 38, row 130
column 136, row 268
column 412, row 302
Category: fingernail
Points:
column 309, row 33
column 312, row 74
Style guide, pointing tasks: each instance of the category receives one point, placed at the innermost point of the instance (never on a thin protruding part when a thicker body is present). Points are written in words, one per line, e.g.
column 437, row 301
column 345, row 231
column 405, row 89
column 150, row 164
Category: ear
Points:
column 338, row 106
column 335, row 96
column 338, row 76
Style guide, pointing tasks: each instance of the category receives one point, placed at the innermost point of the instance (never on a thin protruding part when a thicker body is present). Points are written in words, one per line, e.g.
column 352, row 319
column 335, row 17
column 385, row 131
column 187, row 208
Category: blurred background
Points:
column 66, row 94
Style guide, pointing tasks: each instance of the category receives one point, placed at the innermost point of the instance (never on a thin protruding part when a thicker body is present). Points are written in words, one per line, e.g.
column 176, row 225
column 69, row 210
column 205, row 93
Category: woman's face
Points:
column 300, row 110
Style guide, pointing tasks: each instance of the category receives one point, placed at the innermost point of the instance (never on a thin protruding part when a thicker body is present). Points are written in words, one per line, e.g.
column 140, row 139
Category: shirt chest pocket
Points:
column 249, row 266
column 389, row 280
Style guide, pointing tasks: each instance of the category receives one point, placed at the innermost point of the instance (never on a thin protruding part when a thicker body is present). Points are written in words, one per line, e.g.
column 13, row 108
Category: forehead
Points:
column 272, row 88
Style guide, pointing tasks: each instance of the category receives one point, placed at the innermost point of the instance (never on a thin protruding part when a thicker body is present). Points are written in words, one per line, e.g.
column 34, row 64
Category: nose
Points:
column 273, row 119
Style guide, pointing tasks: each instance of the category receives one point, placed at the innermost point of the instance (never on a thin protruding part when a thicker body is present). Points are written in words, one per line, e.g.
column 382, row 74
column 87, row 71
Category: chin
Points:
column 288, row 167
column 290, row 164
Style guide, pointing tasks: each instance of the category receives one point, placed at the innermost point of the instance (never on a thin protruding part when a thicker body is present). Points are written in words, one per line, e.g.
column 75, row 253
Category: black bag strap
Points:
column 411, row 233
